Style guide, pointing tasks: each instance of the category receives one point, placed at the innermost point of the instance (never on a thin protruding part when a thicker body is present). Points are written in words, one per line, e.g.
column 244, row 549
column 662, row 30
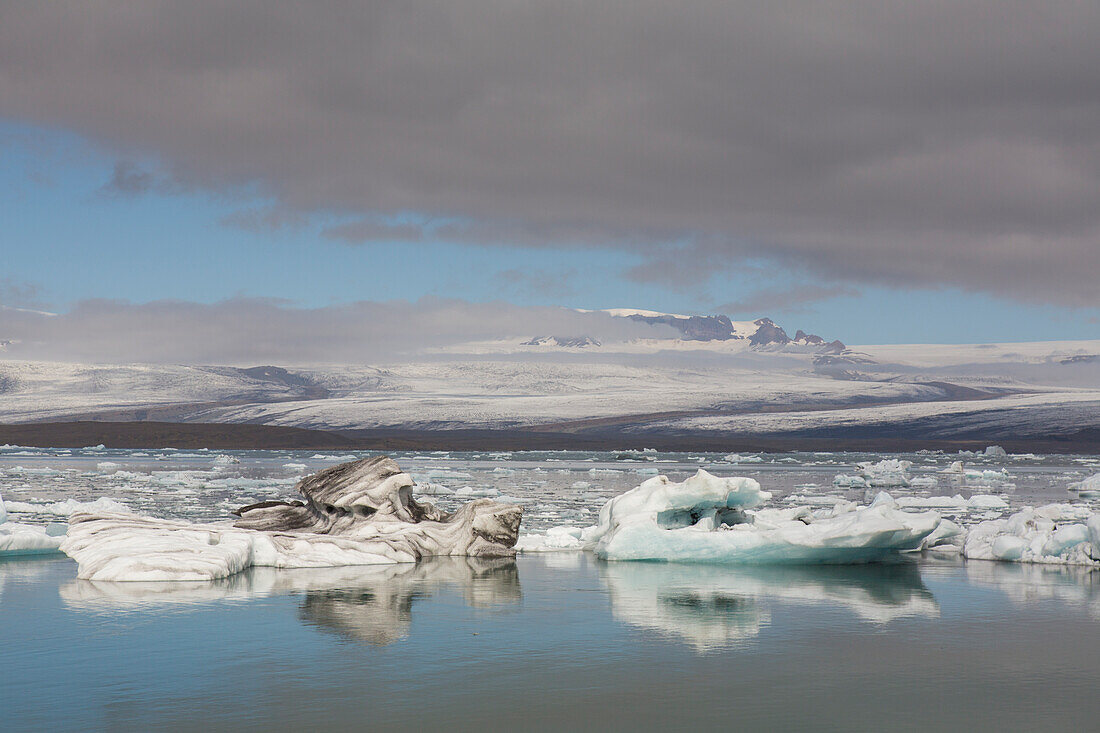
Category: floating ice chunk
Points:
column 1041, row 535
column 888, row 472
column 359, row 513
column 852, row 482
column 26, row 539
column 1087, row 488
column 107, row 466
column 995, row 451
column 226, row 460
column 434, row 490
column 468, row 491
column 923, row 482
column 581, row 485
column 703, row 520
column 957, row 502
column 555, row 539
column 294, row 466
column 68, row 507
column 738, row 458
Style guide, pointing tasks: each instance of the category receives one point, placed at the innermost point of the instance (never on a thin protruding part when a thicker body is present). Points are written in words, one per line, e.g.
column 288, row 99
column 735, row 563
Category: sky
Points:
column 879, row 172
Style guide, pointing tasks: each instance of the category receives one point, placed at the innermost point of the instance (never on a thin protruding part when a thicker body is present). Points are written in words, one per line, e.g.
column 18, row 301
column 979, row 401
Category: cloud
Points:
column 20, row 294
column 128, row 179
column 892, row 142
column 251, row 331
column 786, row 300
column 538, row 282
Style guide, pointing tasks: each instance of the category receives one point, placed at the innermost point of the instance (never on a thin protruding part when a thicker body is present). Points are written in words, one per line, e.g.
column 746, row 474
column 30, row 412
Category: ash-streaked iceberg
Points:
column 358, row 513
column 708, row 519
column 1065, row 534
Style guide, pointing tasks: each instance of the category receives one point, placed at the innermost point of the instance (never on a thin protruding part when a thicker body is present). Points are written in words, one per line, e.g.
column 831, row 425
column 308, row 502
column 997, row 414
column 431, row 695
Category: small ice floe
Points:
column 956, row 502
column 107, row 467
column 67, row 507
column 851, row 482
column 27, row 539
column 358, row 513
column 886, row 473
column 555, row 539
column 708, row 519
column 738, row 458
column 430, row 489
column 995, row 451
column 1088, row 488
column 226, row 460
column 1055, row 534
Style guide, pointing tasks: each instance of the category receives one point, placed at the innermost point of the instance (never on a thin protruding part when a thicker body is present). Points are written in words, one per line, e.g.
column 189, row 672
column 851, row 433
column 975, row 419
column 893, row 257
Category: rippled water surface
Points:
column 556, row 642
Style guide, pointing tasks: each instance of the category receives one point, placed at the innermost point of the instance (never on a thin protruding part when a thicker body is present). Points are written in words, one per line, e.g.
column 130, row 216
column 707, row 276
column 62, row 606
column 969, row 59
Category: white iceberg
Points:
column 886, row 473
column 27, row 539
column 1053, row 534
column 359, row 513
column 1087, row 488
column 705, row 519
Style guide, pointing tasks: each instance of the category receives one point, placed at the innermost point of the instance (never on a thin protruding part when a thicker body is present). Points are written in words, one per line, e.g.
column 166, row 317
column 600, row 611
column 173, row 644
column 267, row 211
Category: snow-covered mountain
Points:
column 759, row 334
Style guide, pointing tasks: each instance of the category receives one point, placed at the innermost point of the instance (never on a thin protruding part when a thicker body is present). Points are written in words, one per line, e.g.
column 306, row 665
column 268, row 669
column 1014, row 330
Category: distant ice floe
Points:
column 1088, row 488
column 887, row 473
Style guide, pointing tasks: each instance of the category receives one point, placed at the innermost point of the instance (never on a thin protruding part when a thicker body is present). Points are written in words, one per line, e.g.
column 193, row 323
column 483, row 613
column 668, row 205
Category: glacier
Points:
column 356, row 513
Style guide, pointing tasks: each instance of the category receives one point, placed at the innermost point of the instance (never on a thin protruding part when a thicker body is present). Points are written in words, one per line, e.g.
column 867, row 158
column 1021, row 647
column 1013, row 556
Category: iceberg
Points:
column 707, row 519
column 357, row 513
column 1054, row 534
column 27, row 539
column 887, row 473
column 1088, row 488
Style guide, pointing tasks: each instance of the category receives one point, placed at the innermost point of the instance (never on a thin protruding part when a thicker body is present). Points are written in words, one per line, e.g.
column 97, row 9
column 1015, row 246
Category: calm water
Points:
column 544, row 643
column 555, row 643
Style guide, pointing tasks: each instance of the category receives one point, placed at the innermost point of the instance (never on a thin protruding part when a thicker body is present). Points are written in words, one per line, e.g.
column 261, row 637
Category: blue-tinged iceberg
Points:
column 710, row 519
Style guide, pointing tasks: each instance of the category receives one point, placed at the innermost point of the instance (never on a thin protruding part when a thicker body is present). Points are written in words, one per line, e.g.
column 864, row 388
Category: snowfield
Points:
column 648, row 386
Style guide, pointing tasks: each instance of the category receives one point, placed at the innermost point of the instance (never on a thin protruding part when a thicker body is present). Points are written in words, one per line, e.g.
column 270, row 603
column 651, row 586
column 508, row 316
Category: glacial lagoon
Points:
column 553, row 641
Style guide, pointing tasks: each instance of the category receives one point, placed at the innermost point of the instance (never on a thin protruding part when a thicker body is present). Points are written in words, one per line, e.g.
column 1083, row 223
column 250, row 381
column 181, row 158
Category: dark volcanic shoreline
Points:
column 231, row 436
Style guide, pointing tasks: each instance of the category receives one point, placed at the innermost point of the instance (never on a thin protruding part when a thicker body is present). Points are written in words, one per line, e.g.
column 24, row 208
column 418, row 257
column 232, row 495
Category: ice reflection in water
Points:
column 372, row 604
column 711, row 607
column 1027, row 584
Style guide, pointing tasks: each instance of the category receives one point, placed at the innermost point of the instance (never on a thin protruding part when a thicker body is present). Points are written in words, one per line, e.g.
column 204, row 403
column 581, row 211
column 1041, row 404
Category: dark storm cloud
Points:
column 247, row 330
column 910, row 143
